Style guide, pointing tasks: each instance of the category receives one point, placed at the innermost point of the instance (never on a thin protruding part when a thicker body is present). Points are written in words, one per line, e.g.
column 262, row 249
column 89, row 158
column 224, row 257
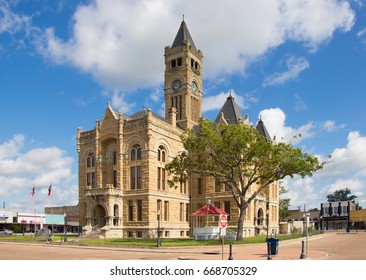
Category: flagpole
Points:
column 50, row 193
column 35, row 211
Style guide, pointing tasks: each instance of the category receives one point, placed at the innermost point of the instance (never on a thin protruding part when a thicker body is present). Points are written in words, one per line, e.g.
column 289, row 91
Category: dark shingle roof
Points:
column 261, row 128
column 182, row 35
column 231, row 111
column 143, row 113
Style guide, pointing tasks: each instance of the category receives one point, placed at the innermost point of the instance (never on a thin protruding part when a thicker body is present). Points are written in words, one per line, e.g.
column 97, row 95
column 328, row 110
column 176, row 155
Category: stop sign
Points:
column 223, row 221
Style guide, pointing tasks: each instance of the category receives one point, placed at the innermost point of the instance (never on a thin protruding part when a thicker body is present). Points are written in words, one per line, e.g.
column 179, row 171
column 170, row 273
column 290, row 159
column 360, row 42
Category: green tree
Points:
column 284, row 206
column 344, row 194
column 238, row 156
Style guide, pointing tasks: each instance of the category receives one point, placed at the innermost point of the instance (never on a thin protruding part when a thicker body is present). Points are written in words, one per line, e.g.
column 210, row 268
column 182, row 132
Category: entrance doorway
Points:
column 99, row 214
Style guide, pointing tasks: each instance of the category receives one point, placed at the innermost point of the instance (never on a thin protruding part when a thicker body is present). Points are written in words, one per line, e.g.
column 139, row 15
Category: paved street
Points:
column 329, row 246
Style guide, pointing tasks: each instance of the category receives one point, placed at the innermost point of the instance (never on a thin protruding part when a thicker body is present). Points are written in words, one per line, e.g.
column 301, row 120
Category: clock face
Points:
column 194, row 87
column 176, row 85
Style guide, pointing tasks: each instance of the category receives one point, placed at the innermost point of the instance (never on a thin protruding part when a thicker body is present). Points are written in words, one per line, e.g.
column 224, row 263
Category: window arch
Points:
column 161, row 154
column 90, row 160
column 90, row 172
column 260, row 217
column 136, row 152
column 161, row 168
column 136, row 168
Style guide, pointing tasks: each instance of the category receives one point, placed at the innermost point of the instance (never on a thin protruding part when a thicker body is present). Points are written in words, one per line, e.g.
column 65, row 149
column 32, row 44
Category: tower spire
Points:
column 182, row 36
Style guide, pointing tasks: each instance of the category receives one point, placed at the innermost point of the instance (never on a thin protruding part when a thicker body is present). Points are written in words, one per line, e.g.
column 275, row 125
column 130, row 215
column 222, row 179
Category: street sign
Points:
column 223, row 221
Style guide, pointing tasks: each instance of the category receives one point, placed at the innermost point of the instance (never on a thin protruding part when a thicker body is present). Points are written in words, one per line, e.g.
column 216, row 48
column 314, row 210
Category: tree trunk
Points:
column 239, row 232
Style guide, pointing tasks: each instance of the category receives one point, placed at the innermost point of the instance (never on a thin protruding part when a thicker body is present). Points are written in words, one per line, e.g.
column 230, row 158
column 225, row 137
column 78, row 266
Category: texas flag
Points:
column 50, row 190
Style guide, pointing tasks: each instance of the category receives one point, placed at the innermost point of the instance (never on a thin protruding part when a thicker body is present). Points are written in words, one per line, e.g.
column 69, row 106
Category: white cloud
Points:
column 11, row 147
column 11, row 22
column 361, row 33
column 295, row 65
column 274, row 120
column 215, row 102
column 331, row 126
column 347, row 169
column 362, row 36
column 120, row 42
column 354, row 184
column 300, row 104
column 20, row 171
column 118, row 101
column 349, row 158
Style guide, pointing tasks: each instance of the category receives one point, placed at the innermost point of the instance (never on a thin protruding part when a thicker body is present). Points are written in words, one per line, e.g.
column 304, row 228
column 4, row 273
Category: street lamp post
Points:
column 321, row 224
column 65, row 224
column 158, row 242
column 306, row 215
column 267, row 218
column 269, row 253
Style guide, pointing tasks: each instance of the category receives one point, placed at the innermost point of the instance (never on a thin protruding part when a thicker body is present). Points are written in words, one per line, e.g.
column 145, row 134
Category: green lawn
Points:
column 165, row 242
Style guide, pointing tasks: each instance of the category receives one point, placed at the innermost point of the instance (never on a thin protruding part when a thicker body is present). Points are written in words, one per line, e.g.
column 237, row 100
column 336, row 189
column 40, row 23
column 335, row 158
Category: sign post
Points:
column 223, row 226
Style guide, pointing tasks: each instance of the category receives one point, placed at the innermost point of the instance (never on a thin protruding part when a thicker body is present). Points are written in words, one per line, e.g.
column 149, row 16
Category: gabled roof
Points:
column 261, row 128
column 182, row 35
column 231, row 112
column 209, row 210
column 143, row 113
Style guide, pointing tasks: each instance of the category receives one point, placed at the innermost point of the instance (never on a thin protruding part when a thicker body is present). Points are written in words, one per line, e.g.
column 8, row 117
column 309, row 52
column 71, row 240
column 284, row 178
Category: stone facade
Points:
column 123, row 190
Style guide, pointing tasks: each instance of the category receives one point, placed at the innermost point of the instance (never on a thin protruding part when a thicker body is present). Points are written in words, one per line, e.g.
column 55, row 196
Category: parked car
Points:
column 5, row 232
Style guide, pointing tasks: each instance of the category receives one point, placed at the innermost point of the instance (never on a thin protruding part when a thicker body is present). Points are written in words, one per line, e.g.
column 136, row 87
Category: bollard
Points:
column 302, row 256
column 230, row 252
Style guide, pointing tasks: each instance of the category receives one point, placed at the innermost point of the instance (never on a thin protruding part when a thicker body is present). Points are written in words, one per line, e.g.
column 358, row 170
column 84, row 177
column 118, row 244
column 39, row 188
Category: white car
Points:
column 5, row 232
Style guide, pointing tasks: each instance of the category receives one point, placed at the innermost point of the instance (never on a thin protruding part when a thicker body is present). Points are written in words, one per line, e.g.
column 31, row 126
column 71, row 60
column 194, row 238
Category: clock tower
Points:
column 183, row 79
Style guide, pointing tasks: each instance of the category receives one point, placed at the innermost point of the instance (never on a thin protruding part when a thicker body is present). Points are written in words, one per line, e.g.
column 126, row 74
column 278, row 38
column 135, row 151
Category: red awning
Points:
column 209, row 210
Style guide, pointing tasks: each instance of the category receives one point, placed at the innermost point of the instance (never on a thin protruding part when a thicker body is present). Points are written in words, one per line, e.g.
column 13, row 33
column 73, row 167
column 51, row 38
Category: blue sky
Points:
column 299, row 65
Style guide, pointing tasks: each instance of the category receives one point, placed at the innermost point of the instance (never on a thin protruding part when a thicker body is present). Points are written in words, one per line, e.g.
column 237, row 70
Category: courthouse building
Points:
column 123, row 190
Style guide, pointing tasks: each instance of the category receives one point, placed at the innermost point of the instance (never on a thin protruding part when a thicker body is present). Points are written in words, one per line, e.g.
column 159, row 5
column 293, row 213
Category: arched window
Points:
column 161, row 168
column 135, row 168
column 260, row 217
column 90, row 172
column 90, row 160
column 161, row 154
column 136, row 152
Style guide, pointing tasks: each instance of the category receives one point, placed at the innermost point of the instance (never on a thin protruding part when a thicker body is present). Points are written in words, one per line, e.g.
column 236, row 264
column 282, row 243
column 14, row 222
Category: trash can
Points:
column 273, row 245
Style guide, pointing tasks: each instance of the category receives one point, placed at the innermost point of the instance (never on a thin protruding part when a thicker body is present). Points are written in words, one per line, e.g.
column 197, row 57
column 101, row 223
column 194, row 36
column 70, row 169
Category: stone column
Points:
column 98, row 158
column 120, row 153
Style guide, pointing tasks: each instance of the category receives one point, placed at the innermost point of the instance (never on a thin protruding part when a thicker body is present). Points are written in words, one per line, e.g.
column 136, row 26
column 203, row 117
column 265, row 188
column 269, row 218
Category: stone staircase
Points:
column 95, row 233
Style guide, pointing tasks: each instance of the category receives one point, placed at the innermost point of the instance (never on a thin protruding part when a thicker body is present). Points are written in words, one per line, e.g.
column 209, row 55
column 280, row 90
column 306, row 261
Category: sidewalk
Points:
column 328, row 246
column 288, row 250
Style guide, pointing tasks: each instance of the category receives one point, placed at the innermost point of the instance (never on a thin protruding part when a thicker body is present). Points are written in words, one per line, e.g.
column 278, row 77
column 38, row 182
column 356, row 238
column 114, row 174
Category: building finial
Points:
column 183, row 17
